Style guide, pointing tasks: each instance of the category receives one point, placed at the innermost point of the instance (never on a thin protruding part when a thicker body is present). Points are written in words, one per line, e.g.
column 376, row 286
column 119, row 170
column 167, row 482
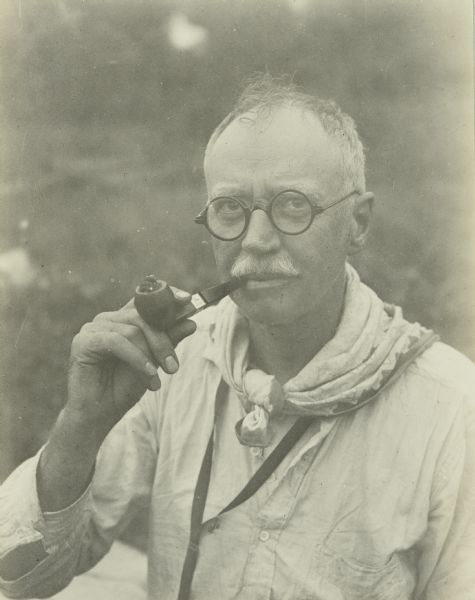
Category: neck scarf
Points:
column 372, row 344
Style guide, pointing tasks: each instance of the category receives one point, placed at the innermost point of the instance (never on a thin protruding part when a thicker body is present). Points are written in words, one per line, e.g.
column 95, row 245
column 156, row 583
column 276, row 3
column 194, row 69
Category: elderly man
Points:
column 305, row 441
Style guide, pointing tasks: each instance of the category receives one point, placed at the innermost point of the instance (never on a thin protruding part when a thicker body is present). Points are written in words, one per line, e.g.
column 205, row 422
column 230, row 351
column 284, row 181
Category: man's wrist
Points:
column 67, row 462
column 84, row 425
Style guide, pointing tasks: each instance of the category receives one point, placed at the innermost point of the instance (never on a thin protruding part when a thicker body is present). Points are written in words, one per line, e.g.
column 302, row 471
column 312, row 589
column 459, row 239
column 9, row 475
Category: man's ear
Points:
column 360, row 221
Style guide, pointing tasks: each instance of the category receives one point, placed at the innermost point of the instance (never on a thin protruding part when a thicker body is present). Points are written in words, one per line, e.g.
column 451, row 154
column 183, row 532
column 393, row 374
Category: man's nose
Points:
column 261, row 236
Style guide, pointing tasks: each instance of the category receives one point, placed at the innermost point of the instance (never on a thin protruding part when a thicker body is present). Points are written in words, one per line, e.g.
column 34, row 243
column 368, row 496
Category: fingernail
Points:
column 154, row 384
column 151, row 369
column 171, row 364
column 181, row 294
column 191, row 326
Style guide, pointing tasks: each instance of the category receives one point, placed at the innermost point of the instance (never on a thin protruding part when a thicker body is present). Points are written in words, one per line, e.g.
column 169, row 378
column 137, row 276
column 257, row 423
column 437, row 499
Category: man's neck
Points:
column 284, row 349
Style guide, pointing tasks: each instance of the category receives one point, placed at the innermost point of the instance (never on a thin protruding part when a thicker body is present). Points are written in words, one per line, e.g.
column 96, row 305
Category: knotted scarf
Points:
column 372, row 344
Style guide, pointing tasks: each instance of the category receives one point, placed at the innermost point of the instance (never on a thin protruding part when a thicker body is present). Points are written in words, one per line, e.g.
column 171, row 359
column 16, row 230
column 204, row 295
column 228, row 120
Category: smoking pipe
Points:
column 156, row 304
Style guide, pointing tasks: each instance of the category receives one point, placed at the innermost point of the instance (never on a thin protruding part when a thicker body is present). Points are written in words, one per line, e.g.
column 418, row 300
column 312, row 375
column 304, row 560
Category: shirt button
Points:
column 257, row 452
column 264, row 536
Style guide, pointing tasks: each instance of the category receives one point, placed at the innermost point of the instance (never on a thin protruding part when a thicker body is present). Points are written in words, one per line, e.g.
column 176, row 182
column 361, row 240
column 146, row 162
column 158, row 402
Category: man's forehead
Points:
column 285, row 139
column 284, row 124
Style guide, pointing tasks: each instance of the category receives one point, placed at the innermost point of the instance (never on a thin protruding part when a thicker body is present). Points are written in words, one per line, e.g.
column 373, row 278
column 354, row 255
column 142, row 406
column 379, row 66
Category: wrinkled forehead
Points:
column 284, row 141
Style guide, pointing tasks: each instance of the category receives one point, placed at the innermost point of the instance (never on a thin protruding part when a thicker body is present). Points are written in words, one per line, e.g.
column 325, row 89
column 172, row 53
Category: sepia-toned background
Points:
column 106, row 106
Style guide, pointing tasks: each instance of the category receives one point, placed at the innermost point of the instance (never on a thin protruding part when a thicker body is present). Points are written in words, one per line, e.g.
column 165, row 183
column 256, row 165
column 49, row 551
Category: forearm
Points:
column 67, row 462
column 49, row 528
column 32, row 543
column 63, row 473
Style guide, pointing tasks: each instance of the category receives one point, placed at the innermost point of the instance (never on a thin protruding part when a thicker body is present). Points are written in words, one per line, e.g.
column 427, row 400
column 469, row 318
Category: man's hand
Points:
column 114, row 359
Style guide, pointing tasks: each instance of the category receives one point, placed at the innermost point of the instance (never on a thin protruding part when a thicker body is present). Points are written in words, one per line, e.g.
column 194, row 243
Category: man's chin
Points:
column 272, row 308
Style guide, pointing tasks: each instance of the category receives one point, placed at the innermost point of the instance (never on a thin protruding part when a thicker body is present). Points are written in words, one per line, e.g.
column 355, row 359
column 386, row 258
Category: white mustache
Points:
column 246, row 265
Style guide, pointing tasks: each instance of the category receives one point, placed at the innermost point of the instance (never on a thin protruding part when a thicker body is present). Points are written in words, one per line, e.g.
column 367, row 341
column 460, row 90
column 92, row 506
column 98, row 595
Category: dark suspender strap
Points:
column 261, row 475
column 197, row 509
column 272, row 462
column 201, row 491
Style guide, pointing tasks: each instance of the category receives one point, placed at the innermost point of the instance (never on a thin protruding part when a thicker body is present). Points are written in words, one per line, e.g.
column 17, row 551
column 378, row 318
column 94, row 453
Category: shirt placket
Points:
column 272, row 517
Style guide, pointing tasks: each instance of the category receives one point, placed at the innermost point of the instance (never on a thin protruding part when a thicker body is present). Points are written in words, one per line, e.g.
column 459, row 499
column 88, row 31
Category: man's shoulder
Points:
column 434, row 395
column 447, row 368
column 441, row 382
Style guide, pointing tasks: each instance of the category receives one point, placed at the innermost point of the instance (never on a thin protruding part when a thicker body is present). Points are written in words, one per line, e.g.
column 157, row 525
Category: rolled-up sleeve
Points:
column 63, row 544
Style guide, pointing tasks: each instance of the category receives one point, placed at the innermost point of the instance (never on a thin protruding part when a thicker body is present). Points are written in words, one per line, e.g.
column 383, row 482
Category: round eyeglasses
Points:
column 289, row 211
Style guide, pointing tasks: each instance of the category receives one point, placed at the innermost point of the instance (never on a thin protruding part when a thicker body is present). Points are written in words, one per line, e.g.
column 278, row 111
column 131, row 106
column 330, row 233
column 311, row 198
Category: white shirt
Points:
column 376, row 504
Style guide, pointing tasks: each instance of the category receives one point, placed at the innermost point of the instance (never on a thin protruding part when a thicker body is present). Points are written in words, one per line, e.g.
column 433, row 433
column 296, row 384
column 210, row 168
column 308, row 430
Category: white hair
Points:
column 264, row 92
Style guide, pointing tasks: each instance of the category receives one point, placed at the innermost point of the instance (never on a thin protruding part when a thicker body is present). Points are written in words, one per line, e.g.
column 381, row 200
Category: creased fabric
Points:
column 378, row 503
column 372, row 341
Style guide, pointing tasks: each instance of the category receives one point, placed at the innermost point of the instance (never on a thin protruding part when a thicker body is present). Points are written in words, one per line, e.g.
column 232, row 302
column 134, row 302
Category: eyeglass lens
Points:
column 226, row 218
column 290, row 211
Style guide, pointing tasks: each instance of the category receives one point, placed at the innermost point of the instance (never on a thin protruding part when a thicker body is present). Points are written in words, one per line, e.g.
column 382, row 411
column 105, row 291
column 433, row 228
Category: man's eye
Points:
column 292, row 203
column 226, row 205
column 295, row 203
column 226, row 210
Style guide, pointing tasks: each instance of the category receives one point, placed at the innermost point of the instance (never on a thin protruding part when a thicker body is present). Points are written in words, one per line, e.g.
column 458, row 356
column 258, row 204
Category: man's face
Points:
column 254, row 160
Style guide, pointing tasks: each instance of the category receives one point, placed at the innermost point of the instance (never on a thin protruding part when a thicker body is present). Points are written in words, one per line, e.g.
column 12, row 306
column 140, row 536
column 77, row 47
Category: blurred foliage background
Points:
column 106, row 107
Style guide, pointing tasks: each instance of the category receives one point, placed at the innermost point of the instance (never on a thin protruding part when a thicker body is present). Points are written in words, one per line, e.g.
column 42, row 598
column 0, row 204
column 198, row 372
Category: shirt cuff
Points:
column 61, row 523
column 21, row 518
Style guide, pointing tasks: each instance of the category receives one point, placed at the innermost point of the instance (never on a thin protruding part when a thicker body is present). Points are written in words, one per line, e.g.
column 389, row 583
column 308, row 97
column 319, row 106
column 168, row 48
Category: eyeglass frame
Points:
column 201, row 218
